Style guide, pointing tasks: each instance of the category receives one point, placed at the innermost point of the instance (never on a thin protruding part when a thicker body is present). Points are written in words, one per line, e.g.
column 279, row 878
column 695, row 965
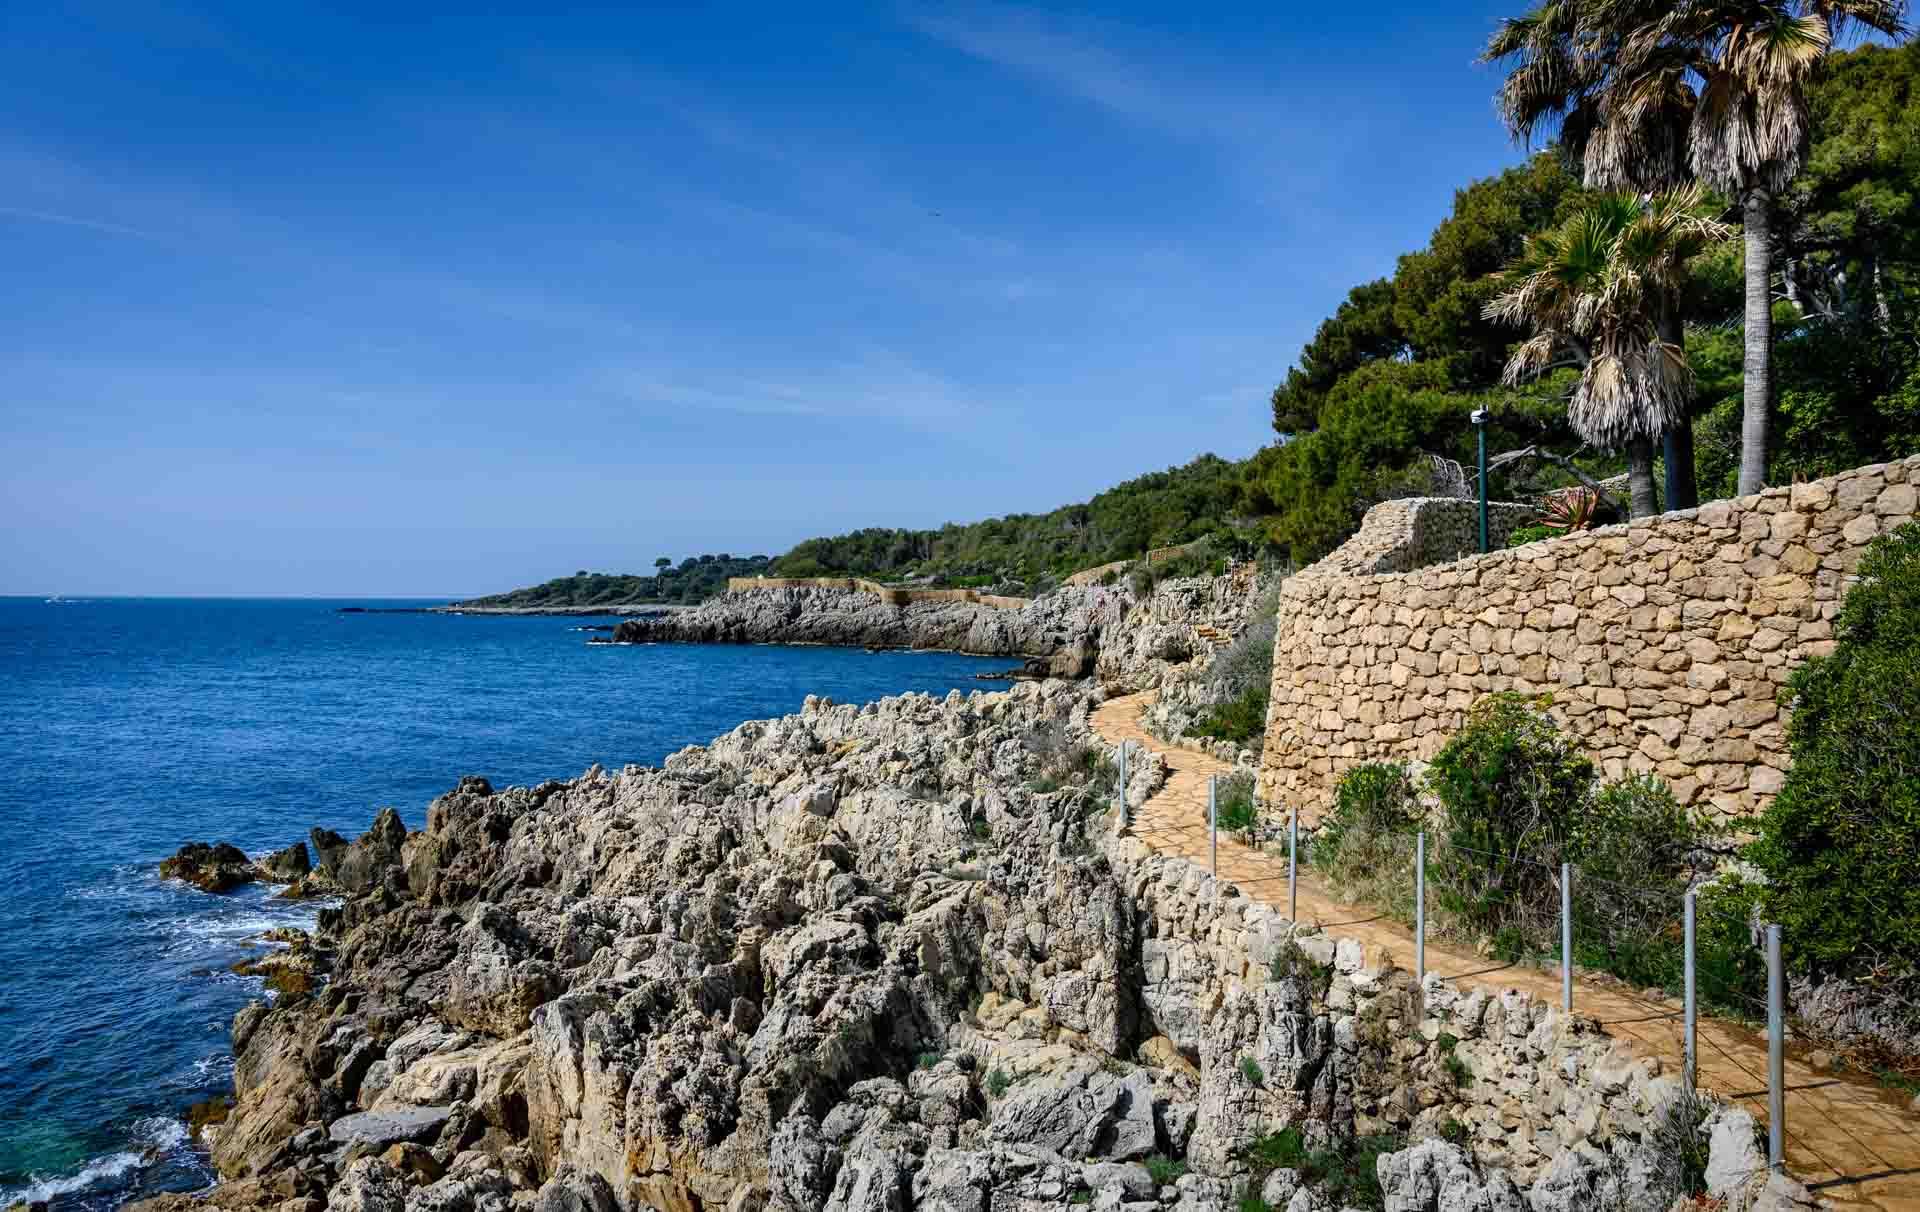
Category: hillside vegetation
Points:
column 696, row 579
column 1159, row 509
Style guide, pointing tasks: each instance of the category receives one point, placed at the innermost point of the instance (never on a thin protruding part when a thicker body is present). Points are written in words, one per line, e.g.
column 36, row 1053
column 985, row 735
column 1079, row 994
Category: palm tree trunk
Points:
column 1757, row 365
column 1640, row 477
column 1678, row 441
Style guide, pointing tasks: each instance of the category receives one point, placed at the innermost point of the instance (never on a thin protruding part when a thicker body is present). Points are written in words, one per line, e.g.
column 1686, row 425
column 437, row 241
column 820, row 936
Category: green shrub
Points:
column 1250, row 1069
column 1350, row 1176
column 1247, row 663
column 1347, row 1175
column 1282, row 1150
column 998, row 1083
column 1680, row 1146
column 1840, row 844
column 1239, row 719
column 1635, row 852
column 1513, row 789
column 1164, row 1170
column 1234, row 806
column 927, row 1060
column 1365, row 845
column 1290, row 963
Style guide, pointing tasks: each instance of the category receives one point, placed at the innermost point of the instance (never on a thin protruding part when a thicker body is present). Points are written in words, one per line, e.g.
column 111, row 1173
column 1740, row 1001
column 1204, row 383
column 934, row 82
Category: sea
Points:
column 130, row 726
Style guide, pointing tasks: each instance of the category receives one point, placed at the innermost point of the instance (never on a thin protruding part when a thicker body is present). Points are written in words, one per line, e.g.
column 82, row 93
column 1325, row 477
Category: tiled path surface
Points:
column 1852, row 1143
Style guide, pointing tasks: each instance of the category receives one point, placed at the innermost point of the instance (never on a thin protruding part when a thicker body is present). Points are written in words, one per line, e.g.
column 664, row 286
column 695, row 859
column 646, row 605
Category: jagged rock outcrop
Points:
column 216, row 867
column 863, row 958
column 1062, row 628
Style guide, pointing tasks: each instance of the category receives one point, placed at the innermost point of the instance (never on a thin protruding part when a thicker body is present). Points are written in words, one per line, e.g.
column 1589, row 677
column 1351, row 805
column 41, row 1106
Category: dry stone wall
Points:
column 1664, row 642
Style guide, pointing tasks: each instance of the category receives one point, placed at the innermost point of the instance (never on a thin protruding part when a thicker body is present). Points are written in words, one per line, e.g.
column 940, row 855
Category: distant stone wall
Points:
column 891, row 594
column 1664, row 642
column 1159, row 555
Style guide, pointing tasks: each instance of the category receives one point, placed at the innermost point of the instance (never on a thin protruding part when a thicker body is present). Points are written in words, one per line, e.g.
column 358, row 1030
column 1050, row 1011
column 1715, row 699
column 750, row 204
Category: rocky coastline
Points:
column 897, row 955
column 1061, row 629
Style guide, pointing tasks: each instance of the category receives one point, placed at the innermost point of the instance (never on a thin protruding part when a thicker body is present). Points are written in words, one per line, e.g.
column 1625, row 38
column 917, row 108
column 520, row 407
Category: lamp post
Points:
column 1479, row 419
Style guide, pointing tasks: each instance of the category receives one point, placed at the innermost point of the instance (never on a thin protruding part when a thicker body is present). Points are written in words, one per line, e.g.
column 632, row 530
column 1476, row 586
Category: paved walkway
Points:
column 1853, row 1143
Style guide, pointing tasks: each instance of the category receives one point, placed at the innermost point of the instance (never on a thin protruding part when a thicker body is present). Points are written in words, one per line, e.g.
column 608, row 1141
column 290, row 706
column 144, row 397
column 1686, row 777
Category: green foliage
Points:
column 1531, row 534
column 1840, row 844
column 927, row 1060
column 1159, row 509
column 981, row 828
column 1164, row 1170
column 1250, row 1069
column 1365, row 845
column 1348, row 1175
column 1454, row 1132
column 1458, row 1069
column 1251, row 1202
column 998, row 1083
column 1513, row 788
column 1238, row 720
column 1282, row 1150
column 1234, row 803
column 1376, row 426
column 1636, row 851
column 1680, row 1144
column 1290, row 963
column 695, row 580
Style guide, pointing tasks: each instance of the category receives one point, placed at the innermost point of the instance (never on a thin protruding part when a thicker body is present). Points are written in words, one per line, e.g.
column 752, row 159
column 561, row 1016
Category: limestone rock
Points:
column 1734, row 1159
column 1435, row 1176
column 368, row 1185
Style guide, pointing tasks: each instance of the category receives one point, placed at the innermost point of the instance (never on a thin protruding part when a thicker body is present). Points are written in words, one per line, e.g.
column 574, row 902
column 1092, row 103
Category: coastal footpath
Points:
column 905, row 954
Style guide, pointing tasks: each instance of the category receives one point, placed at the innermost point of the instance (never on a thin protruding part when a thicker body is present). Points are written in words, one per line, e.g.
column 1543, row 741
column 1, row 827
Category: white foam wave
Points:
column 153, row 1138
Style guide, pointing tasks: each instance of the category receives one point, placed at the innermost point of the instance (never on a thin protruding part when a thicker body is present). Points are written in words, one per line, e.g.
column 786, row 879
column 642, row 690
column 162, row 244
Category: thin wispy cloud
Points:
column 1066, row 57
column 1279, row 145
column 45, row 216
column 872, row 384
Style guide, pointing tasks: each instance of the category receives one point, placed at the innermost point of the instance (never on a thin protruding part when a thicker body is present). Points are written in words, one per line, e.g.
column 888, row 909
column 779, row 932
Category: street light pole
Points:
column 1480, row 430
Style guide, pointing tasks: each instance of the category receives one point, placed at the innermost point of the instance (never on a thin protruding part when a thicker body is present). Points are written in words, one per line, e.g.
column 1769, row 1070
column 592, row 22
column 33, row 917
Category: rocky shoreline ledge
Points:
column 1060, row 630
column 891, row 956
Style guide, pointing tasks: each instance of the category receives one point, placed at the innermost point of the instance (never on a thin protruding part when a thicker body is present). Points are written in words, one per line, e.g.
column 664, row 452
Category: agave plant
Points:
column 1569, row 509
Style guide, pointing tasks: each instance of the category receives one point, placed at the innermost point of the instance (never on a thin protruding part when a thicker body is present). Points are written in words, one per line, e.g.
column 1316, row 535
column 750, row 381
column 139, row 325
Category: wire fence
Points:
column 1564, row 915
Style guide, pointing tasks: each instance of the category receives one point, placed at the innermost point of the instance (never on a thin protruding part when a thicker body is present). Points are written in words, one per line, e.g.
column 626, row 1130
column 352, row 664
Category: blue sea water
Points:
column 130, row 726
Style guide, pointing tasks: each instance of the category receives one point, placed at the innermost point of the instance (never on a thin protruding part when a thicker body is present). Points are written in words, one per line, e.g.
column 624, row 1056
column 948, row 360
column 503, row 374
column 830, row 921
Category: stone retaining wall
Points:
column 1541, row 1083
column 1664, row 643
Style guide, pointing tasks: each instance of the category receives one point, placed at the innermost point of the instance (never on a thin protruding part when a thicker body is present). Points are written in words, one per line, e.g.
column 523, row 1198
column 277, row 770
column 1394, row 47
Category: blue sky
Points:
column 403, row 299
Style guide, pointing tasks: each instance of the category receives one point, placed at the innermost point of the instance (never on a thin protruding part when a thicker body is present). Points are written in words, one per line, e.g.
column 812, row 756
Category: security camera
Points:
column 1479, row 416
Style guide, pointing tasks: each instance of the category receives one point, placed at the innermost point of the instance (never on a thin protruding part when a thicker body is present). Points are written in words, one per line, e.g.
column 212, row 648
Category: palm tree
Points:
column 1624, row 78
column 1621, row 129
column 1593, row 291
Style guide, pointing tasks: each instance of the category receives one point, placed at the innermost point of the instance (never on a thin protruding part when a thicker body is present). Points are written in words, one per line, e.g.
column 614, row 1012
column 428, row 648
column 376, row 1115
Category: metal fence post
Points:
column 1566, row 937
column 1293, row 863
column 1420, row 909
column 1776, row 1053
column 1213, row 820
column 1693, row 1021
